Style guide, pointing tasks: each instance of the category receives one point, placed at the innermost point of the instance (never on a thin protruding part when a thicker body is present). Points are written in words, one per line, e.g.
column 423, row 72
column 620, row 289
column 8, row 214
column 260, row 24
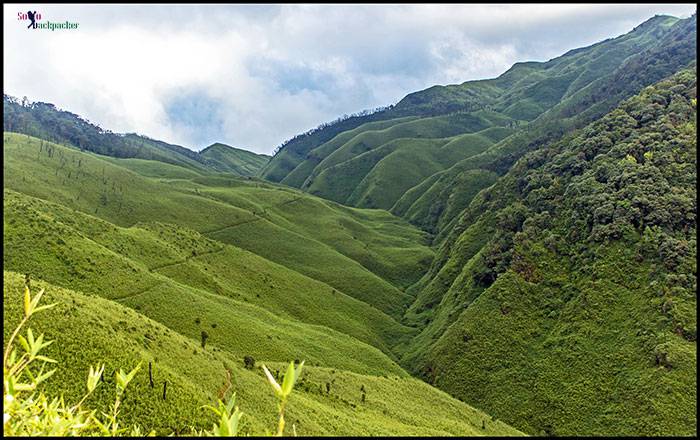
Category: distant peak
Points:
column 655, row 20
column 218, row 145
column 222, row 146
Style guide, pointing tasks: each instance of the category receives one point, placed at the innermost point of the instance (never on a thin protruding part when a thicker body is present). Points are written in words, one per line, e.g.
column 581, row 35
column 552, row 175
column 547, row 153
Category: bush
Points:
column 249, row 362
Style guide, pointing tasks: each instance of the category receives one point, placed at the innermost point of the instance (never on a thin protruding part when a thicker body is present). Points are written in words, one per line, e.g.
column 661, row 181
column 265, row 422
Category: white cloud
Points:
column 265, row 73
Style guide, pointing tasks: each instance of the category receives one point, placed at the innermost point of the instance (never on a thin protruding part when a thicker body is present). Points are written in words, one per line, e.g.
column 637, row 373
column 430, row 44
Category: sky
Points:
column 252, row 76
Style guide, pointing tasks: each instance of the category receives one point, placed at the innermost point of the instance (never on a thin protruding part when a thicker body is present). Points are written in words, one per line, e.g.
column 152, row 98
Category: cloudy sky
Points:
column 254, row 75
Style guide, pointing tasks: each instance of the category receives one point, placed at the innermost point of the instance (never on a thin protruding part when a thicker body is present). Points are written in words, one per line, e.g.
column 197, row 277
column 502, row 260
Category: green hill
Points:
column 45, row 121
column 232, row 160
column 563, row 301
column 525, row 245
column 387, row 162
column 89, row 329
column 143, row 286
column 369, row 255
column 435, row 207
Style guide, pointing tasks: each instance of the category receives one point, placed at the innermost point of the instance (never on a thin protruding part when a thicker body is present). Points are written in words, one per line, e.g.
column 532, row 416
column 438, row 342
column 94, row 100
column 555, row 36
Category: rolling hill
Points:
column 47, row 122
column 507, row 256
column 121, row 337
column 232, row 160
column 399, row 163
column 156, row 272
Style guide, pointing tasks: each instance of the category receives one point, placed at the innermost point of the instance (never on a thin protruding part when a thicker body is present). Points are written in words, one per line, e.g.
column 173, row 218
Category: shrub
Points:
column 249, row 362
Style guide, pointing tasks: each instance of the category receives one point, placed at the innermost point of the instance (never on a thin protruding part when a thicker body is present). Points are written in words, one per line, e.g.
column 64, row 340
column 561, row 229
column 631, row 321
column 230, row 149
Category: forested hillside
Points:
column 563, row 301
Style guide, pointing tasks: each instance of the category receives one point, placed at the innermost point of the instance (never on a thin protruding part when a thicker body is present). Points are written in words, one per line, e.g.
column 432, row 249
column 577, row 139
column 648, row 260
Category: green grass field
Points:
column 227, row 159
column 90, row 329
column 498, row 257
column 374, row 254
column 140, row 279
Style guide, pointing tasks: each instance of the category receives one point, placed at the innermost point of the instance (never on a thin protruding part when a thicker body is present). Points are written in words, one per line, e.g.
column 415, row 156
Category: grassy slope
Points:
column 578, row 335
column 152, row 168
column 228, row 159
column 413, row 145
column 235, row 211
column 414, row 162
column 655, row 49
column 127, row 262
column 89, row 329
column 526, row 92
column 298, row 176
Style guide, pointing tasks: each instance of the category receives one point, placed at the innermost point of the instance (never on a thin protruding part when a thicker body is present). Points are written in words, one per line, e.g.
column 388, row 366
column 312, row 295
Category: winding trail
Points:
column 227, row 385
column 140, row 292
column 258, row 217
column 188, row 258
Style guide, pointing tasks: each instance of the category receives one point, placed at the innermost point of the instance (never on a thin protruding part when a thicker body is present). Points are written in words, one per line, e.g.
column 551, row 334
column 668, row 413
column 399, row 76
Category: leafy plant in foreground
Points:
column 282, row 392
column 38, row 415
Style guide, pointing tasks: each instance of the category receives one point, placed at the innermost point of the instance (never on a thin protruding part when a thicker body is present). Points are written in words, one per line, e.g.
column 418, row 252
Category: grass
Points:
column 300, row 174
column 370, row 251
column 224, row 158
column 414, row 145
column 151, row 168
column 137, row 264
column 88, row 329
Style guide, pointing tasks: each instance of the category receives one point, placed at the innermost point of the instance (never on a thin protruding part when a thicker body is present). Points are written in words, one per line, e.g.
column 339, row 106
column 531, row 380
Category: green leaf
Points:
column 273, row 382
column 27, row 302
column 48, row 306
column 45, row 376
column 131, row 374
column 23, row 387
column 231, row 403
column 297, row 374
column 35, row 300
column 120, row 378
column 94, row 377
column 30, row 337
column 288, row 383
column 24, row 343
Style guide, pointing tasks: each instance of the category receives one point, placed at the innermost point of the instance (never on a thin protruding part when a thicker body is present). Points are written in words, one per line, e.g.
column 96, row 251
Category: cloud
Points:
column 255, row 75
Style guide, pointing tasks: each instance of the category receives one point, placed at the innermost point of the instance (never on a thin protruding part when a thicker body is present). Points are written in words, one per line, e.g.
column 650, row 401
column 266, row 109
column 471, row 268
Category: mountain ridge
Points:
column 47, row 121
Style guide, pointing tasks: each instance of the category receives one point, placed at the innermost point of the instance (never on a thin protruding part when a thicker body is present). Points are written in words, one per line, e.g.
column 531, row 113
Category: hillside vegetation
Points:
column 87, row 328
column 44, row 120
column 369, row 255
column 484, row 126
column 564, row 299
column 497, row 257
column 159, row 273
column 227, row 159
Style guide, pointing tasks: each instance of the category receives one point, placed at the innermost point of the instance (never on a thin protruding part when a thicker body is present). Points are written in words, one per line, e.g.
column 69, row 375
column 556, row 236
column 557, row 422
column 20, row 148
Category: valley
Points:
column 502, row 257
